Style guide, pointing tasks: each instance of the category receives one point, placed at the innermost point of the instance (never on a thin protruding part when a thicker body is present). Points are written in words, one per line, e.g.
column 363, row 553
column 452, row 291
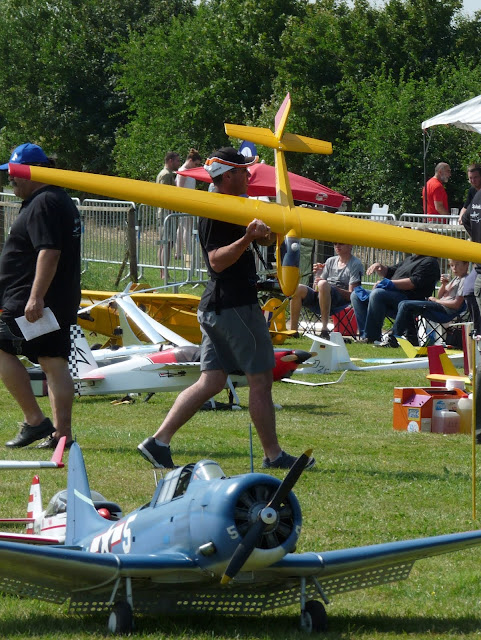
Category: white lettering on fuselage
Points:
column 118, row 533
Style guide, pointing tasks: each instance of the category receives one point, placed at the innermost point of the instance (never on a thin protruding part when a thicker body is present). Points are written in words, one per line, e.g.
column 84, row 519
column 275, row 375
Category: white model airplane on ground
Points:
column 144, row 368
column 332, row 355
column 47, row 526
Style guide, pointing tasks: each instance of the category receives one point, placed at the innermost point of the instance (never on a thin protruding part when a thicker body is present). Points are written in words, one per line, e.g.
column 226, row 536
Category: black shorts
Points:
column 56, row 344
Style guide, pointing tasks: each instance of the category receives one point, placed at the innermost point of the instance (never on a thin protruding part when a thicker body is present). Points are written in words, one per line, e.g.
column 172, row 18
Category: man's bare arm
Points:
column 47, row 262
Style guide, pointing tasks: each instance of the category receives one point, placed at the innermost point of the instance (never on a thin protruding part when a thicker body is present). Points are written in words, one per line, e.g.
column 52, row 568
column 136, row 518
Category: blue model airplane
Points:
column 205, row 542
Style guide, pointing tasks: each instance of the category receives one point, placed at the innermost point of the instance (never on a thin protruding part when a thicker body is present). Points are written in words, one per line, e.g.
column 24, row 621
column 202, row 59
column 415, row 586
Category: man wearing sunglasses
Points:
column 235, row 334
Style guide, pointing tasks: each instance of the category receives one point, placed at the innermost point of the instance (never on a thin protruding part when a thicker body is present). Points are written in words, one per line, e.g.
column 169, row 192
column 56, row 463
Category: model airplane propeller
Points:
column 267, row 518
column 290, row 223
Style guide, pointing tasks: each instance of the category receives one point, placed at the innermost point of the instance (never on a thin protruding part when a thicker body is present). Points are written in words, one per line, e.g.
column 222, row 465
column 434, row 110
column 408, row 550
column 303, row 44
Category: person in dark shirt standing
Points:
column 474, row 177
column 39, row 268
column 234, row 332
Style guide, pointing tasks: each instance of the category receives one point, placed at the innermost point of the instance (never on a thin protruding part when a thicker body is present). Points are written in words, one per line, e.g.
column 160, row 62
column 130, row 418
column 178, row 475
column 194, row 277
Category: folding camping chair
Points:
column 342, row 318
column 432, row 331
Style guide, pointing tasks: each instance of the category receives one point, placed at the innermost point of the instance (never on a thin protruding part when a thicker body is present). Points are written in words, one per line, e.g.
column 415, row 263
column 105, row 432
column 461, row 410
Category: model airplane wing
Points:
column 285, row 219
column 27, row 538
column 363, row 567
column 61, row 572
column 54, row 463
column 316, row 384
column 150, row 327
column 443, row 377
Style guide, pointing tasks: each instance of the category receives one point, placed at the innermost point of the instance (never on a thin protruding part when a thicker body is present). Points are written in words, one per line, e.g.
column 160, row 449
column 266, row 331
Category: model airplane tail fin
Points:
column 410, row 350
column 440, row 364
column 34, row 508
column 81, row 359
column 331, row 355
column 82, row 516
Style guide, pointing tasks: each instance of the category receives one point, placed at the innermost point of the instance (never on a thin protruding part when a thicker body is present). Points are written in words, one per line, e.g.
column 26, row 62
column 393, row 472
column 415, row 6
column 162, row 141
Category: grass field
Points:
column 370, row 485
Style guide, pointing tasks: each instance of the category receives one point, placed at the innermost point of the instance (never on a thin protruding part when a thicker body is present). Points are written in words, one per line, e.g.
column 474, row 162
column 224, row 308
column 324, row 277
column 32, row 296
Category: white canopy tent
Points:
column 466, row 115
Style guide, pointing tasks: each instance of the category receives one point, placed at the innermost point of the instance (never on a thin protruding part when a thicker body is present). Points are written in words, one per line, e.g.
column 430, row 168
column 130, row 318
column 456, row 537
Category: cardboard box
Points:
column 413, row 406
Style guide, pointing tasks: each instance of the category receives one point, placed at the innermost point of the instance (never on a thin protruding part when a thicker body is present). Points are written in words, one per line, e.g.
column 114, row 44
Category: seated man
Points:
column 333, row 284
column 412, row 279
column 448, row 304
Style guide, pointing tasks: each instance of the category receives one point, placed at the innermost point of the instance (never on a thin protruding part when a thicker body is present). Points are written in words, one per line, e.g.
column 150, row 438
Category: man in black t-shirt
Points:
column 234, row 332
column 39, row 268
column 412, row 279
column 474, row 177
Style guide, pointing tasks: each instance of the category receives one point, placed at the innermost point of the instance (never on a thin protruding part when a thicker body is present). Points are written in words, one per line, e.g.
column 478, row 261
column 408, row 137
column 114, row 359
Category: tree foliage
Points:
column 113, row 86
column 59, row 87
column 186, row 78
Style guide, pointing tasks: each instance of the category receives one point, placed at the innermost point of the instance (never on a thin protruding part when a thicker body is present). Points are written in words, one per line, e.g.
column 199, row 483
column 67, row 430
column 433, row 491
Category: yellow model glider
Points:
column 287, row 221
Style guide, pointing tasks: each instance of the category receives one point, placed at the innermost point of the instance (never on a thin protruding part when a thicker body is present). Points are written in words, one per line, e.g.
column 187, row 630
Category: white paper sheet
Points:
column 46, row 324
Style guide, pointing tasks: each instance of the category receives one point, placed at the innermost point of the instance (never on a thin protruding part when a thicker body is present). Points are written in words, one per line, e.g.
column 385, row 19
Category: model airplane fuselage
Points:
column 169, row 370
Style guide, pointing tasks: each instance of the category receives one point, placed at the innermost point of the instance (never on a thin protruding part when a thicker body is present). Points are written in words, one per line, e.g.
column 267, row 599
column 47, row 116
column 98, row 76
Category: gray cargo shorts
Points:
column 235, row 340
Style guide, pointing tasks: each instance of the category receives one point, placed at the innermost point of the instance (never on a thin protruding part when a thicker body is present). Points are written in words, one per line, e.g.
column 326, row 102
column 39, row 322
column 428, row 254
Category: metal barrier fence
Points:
column 9, row 208
column 107, row 237
column 369, row 255
column 172, row 239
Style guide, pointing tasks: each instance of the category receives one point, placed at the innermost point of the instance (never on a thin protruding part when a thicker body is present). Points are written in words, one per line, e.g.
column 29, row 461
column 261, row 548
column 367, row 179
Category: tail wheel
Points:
column 314, row 617
column 121, row 619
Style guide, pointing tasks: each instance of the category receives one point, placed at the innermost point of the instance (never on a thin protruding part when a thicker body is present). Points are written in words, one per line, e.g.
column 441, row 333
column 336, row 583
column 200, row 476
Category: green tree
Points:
column 380, row 148
column 58, row 86
column 185, row 79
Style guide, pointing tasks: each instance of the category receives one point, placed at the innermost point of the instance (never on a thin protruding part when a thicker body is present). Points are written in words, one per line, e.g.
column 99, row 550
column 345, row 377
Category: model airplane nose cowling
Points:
column 264, row 520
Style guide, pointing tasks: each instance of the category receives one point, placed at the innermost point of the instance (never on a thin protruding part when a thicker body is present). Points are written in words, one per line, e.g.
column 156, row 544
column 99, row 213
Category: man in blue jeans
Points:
column 412, row 279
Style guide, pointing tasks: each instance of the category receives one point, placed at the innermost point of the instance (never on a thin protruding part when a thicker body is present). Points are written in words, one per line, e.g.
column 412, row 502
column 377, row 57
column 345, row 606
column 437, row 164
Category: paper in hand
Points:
column 46, row 324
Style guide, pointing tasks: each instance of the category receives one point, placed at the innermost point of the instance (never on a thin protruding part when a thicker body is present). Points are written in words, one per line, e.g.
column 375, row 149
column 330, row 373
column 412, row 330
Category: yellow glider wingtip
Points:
column 258, row 135
column 303, row 144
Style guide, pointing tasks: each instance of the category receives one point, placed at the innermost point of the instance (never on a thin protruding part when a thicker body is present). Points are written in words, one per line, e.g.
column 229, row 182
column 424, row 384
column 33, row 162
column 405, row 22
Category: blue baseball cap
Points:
column 26, row 153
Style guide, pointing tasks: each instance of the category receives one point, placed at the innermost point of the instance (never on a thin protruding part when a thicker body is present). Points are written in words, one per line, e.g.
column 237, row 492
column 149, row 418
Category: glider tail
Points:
column 82, row 516
column 81, row 359
column 34, row 508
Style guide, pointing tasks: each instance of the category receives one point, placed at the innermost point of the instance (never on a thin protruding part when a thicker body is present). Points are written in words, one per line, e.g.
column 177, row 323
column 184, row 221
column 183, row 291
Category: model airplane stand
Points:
column 331, row 355
column 428, row 409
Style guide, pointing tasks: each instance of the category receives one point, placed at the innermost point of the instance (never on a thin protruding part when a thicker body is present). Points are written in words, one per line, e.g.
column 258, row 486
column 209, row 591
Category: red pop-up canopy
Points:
column 263, row 183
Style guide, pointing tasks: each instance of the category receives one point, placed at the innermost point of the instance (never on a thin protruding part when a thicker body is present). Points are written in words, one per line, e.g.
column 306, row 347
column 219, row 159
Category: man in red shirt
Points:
column 435, row 202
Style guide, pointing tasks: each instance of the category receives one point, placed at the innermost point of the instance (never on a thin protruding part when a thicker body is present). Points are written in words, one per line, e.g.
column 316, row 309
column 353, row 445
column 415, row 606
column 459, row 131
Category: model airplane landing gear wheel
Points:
column 121, row 620
column 314, row 617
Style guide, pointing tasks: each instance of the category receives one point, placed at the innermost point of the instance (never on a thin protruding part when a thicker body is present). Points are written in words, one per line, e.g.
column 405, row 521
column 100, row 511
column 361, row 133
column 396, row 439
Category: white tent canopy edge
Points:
column 466, row 115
